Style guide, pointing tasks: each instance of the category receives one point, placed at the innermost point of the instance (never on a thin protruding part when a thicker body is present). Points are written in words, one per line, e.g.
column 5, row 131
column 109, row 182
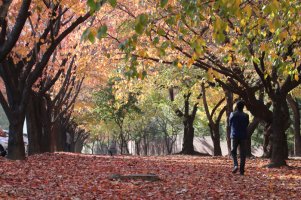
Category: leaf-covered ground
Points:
column 75, row 176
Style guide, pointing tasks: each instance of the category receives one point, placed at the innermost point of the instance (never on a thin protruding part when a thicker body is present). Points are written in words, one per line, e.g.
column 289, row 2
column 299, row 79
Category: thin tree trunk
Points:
column 296, row 113
column 213, row 124
column 137, row 144
column 251, row 128
column 229, row 99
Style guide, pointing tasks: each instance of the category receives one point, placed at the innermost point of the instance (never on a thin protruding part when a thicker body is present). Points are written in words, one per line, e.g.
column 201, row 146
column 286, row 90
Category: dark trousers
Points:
column 242, row 151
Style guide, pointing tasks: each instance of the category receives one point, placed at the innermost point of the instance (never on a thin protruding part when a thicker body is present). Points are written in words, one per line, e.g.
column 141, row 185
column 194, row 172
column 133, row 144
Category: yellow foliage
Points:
column 271, row 26
column 296, row 77
column 190, row 62
column 263, row 46
column 248, row 10
column 179, row 65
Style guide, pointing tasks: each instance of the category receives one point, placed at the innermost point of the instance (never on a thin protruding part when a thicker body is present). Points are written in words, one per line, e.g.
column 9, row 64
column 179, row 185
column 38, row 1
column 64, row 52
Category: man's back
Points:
column 239, row 122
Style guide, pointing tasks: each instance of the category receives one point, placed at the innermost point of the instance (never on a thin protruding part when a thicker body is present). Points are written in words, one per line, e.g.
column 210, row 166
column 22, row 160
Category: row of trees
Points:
column 39, row 69
column 245, row 47
column 147, row 113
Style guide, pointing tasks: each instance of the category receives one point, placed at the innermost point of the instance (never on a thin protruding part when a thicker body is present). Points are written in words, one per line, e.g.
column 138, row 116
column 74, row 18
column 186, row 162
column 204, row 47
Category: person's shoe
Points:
column 242, row 173
column 235, row 169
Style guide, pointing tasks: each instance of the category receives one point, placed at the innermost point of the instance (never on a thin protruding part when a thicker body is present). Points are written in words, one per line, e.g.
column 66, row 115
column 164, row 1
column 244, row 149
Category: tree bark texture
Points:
column 16, row 149
column 251, row 128
column 296, row 114
column 229, row 99
column 188, row 137
column 279, row 126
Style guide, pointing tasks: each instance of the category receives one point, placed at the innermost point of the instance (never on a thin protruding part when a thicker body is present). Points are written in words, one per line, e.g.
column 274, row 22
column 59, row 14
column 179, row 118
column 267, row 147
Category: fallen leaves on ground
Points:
column 78, row 176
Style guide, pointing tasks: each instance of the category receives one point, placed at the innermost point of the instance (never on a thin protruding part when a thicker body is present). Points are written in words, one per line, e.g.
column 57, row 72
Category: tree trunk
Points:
column 79, row 139
column 38, row 121
column 16, row 149
column 296, row 113
column 229, row 99
column 188, row 137
column 78, row 146
column 46, row 131
column 60, row 136
column 213, row 123
column 53, row 137
column 145, row 145
column 217, row 147
column 73, row 144
column 215, row 136
column 168, row 143
column 279, row 126
column 137, row 144
column 251, row 128
column 267, row 146
column 34, row 125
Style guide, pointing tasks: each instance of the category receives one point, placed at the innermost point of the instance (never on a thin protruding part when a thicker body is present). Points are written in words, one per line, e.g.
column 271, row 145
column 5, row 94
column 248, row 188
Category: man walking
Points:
column 239, row 122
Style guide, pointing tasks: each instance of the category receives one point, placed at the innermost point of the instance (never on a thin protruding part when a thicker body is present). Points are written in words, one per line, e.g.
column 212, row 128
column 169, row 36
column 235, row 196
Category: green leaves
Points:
column 219, row 28
column 95, row 5
column 161, row 32
column 256, row 60
column 113, row 3
column 91, row 4
column 88, row 35
column 163, row 3
column 91, row 33
column 102, row 32
column 141, row 23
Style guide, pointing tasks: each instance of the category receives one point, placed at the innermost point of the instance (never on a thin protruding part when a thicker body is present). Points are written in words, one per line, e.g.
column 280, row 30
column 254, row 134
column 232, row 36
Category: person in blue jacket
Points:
column 239, row 122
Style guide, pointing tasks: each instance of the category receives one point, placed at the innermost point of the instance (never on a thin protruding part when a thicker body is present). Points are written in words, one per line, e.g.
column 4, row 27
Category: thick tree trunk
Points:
column 61, row 139
column 34, row 125
column 16, row 149
column 296, row 113
column 46, row 131
column 217, row 147
column 248, row 147
column 137, row 145
column 60, row 135
column 279, row 126
column 38, row 121
column 215, row 136
column 188, row 137
column 73, row 143
column 169, row 142
column 55, row 136
column 47, row 137
column 267, row 146
column 78, row 146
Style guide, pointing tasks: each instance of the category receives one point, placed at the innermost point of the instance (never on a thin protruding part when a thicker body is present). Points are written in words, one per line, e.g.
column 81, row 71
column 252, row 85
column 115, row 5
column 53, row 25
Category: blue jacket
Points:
column 239, row 122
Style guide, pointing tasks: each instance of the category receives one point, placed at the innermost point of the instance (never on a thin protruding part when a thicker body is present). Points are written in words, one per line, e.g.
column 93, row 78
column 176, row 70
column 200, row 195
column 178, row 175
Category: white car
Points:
column 4, row 139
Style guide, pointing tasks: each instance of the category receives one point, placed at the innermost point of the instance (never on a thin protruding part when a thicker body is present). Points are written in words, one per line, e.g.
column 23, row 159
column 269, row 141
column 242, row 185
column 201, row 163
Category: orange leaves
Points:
column 75, row 176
